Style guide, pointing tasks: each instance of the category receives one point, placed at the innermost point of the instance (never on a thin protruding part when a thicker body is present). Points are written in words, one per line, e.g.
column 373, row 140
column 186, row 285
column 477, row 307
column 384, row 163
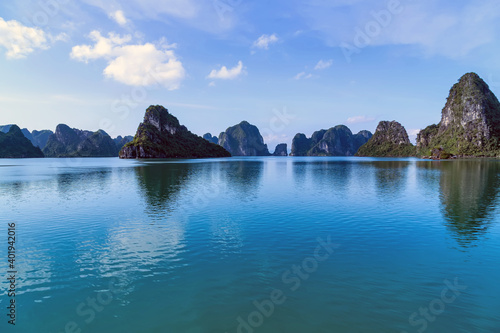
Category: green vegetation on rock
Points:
column 470, row 122
column 390, row 140
column 160, row 135
column 122, row 141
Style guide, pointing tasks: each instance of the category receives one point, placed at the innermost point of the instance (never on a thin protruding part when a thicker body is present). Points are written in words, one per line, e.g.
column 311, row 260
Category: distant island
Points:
column 243, row 139
column 14, row 144
column 72, row 142
column 64, row 142
column 469, row 127
column 336, row 141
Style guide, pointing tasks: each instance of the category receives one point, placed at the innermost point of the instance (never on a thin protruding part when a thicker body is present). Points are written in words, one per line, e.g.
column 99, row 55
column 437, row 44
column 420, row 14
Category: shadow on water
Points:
column 469, row 191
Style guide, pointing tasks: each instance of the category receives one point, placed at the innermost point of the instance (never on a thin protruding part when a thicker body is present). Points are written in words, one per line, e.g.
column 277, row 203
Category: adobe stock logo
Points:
column 292, row 279
column 47, row 10
column 436, row 307
column 364, row 36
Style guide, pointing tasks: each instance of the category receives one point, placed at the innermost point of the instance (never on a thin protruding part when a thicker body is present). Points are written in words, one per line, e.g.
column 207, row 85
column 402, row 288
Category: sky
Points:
column 286, row 66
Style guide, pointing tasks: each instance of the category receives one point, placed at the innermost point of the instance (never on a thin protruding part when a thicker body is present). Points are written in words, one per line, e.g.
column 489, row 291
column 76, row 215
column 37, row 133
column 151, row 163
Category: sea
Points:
column 250, row 244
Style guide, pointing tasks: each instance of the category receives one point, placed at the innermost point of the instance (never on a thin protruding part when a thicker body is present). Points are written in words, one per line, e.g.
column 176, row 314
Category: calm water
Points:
column 234, row 245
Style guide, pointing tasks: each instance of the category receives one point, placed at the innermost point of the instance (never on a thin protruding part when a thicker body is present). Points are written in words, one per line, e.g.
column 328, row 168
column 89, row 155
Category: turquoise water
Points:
column 252, row 245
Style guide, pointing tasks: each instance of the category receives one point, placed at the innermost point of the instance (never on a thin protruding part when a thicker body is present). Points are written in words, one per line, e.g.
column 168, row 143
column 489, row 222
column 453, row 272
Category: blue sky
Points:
column 286, row 66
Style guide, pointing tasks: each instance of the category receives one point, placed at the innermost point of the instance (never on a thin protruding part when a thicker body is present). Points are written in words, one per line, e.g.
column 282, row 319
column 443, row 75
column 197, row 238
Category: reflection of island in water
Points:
column 200, row 183
column 468, row 193
column 243, row 178
column 328, row 176
column 390, row 177
column 160, row 184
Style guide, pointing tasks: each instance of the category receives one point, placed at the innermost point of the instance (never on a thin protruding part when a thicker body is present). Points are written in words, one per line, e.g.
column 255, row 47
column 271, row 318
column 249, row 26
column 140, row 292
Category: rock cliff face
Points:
column 160, row 135
column 337, row 141
column 243, row 139
column 72, row 142
column 14, row 144
column 470, row 121
column 390, row 140
column 281, row 150
column 425, row 136
column 211, row 138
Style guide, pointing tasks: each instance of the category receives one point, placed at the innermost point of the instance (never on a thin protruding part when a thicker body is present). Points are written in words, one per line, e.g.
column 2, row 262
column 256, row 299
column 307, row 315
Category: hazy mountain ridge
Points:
column 73, row 142
column 14, row 144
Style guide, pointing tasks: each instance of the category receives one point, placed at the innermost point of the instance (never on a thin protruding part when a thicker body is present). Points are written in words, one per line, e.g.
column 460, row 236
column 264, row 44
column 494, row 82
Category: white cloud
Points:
column 360, row 120
column 119, row 17
column 212, row 84
column 303, row 75
column 133, row 64
column 20, row 40
column 265, row 40
column 323, row 64
column 227, row 74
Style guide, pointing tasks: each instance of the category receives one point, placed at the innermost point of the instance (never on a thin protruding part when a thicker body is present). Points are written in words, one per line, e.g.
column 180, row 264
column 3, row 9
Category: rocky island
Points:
column 390, row 140
column 470, row 122
column 336, row 141
column 160, row 135
column 243, row 139
column 281, row 150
